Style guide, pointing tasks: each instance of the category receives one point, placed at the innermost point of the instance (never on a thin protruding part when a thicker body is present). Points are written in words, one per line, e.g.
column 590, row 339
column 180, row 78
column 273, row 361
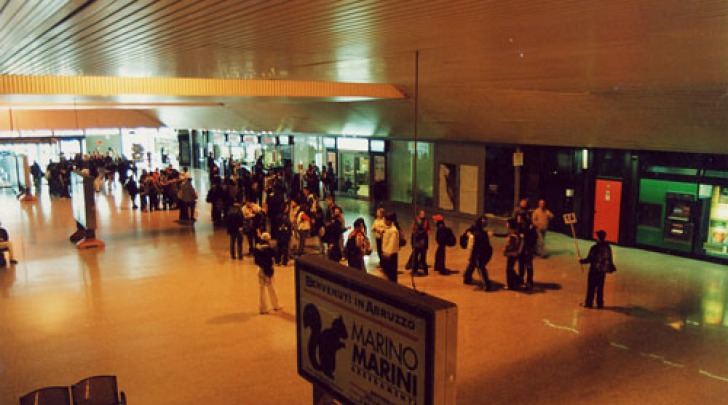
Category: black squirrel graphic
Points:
column 323, row 345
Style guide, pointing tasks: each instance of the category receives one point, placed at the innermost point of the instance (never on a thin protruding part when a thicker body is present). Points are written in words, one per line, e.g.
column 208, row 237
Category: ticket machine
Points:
column 680, row 213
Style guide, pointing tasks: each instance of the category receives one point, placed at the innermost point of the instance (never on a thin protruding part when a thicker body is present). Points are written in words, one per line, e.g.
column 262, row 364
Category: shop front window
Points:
column 401, row 169
column 307, row 150
column 354, row 173
column 717, row 237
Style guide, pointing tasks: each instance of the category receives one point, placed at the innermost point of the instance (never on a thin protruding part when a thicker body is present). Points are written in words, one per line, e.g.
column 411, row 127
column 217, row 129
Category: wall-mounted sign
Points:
column 330, row 143
column 250, row 139
column 13, row 134
column 218, row 137
column 268, row 140
column 517, row 159
column 68, row 132
column 234, row 138
column 353, row 144
column 284, row 140
column 377, row 145
column 36, row 133
column 365, row 340
column 104, row 131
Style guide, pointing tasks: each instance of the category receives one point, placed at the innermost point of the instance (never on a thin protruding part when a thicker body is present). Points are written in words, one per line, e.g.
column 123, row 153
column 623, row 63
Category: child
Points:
column 264, row 260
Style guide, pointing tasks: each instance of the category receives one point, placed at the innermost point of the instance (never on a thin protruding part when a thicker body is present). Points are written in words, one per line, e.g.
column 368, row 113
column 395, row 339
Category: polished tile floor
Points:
column 164, row 308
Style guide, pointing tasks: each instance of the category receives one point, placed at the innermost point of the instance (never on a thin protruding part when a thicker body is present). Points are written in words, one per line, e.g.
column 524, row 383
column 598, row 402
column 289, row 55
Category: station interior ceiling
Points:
column 641, row 75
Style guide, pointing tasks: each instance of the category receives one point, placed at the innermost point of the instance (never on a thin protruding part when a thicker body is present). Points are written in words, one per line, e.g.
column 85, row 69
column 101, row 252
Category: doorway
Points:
column 607, row 203
column 354, row 174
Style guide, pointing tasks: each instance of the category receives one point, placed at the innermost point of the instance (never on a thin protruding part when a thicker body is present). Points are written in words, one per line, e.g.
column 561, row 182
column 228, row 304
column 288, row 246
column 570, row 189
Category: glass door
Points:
column 354, row 174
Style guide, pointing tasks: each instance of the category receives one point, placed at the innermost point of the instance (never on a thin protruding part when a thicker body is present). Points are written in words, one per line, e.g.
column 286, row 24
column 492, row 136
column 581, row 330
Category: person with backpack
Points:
column 600, row 263
column 481, row 252
column 511, row 251
column 444, row 237
column 357, row 245
column 333, row 234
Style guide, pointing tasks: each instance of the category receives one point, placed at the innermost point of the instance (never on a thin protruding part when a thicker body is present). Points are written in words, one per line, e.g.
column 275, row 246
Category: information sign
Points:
column 367, row 340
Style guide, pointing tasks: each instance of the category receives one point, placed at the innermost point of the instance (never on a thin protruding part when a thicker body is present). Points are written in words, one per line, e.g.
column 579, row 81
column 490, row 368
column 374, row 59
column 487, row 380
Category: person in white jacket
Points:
column 390, row 248
column 378, row 227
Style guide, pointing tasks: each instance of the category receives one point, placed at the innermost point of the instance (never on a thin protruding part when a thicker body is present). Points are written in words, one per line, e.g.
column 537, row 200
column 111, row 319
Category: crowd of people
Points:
column 280, row 214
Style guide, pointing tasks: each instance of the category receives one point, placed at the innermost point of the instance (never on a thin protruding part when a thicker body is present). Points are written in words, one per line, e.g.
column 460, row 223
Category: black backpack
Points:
column 464, row 238
column 603, row 260
column 450, row 238
column 351, row 249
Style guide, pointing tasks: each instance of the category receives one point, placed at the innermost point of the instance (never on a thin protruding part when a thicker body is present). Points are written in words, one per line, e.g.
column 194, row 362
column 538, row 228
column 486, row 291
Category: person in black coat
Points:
column 284, row 231
column 481, row 253
column 600, row 263
column 529, row 238
column 444, row 237
column 234, row 224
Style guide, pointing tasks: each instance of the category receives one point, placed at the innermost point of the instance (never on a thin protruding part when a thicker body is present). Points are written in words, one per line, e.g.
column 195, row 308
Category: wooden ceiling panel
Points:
column 551, row 72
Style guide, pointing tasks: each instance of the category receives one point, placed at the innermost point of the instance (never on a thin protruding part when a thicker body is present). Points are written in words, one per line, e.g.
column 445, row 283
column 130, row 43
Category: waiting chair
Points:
column 97, row 390
column 47, row 396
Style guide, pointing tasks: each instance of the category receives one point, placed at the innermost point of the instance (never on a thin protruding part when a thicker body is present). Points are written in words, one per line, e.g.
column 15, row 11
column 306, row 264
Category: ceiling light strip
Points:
column 111, row 86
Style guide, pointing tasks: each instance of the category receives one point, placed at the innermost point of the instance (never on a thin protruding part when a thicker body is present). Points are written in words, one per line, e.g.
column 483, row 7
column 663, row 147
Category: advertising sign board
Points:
column 367, row 340
column 83, row 201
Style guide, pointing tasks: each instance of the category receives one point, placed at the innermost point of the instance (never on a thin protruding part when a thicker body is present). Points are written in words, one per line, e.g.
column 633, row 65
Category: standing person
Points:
column 216, row 199
column 234, row 223
column 357, row 245
column 444, row 237
column 390, row 248
column 541, row 217
column 37, row 174
column 378, row 228
column 420, row 242
column 529, row 238
column 250, row 224
column 6, row 244
column 481, row 252
column 600, row 263
column 333, row 182
column 511, row 251
column 276, row 202
column 333, row 234
column 521, row 209
column 133, row 190
column 284, row 238
column 264, row 260
column 303, row 221
column 187, row 200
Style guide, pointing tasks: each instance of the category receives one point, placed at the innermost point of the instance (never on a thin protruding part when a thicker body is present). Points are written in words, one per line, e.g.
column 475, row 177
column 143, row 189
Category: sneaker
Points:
column 264, row 312
column 13, row 261
column 278, row 309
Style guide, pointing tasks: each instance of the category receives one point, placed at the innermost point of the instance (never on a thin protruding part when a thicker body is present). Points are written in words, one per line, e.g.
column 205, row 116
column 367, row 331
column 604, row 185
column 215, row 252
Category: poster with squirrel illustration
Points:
column 364, row 349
